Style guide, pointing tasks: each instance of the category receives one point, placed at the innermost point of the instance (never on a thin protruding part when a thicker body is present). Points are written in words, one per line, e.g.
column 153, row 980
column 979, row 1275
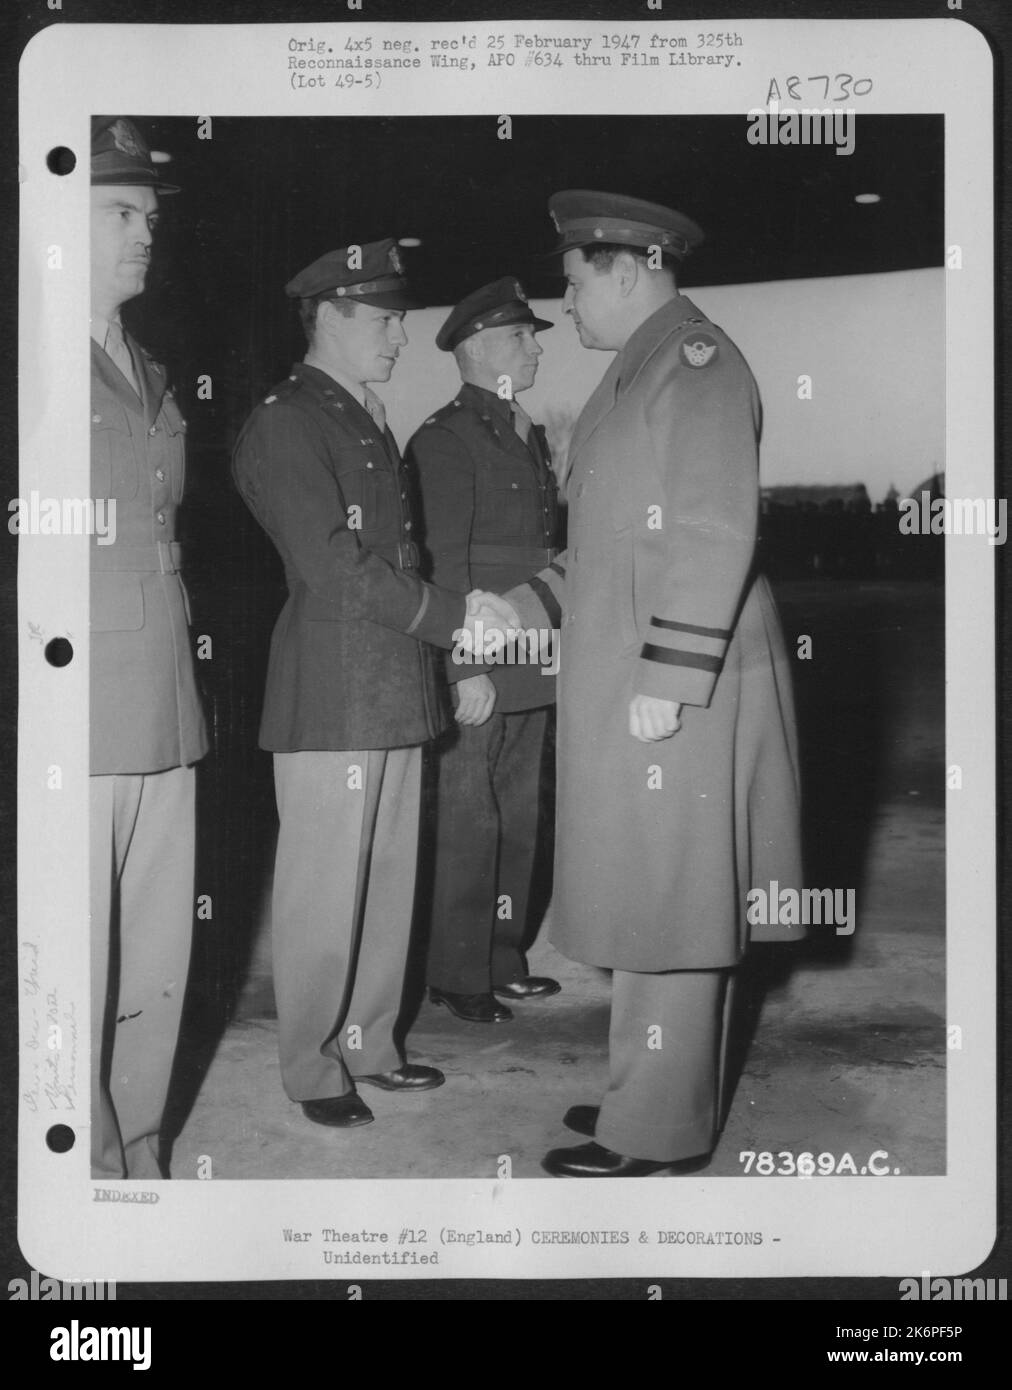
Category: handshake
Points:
column 487, row 625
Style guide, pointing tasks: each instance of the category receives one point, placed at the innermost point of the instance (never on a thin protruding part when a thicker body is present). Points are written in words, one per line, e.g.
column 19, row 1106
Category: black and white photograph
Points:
column 509, row 625
column 836, row 700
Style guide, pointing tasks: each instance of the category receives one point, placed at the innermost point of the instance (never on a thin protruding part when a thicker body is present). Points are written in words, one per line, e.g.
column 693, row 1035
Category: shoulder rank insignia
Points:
column 699, row 350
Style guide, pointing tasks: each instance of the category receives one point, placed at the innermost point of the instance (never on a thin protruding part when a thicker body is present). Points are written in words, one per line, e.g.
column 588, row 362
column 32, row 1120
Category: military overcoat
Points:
column 658, row 844
column 146, row 713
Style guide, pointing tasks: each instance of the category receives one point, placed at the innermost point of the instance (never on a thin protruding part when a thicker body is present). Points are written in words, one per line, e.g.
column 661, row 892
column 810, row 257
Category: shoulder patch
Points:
column 698, row 349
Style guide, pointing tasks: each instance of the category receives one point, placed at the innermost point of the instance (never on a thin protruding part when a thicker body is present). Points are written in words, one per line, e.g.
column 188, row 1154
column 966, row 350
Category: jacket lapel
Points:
column 114, row 381
column 500, row 424
column 599, row 403
column 628, row 363
column 151, row 379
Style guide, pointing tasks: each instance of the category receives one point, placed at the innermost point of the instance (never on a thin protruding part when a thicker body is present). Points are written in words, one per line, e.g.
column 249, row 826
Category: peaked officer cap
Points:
column 120, row 155
column 583, row 218
column 492, row 306
column 369, row 274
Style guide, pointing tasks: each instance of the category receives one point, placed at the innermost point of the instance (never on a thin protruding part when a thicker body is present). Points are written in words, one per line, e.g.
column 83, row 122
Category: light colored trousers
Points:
column 667, row 1048
column 142, row 859
column 344, row 887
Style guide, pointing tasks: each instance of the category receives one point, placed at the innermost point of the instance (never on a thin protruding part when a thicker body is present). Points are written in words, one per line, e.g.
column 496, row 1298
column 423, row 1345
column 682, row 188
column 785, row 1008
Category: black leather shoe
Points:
column 533, row 987
column 582, row 1119
column 595, row 1161
column 407, row 1078
column 343, row 1112
column 473, row 1008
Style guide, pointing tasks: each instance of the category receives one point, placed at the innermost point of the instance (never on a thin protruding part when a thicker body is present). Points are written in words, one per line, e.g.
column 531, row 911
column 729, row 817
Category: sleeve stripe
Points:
column 722, row 634
column 548, row 601
column 693, row 659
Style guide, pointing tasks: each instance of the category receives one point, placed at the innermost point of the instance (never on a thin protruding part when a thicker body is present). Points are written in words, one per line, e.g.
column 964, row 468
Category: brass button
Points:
column 407, row 526
column 153, row 429
column 369, row 463
column 96, row 419
column 160, row 518
column 160, row 474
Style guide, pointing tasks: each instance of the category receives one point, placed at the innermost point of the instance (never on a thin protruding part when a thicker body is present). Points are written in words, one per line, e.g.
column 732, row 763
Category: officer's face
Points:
column 366, row 345
column 593, row 300
column 511, row 351
column 122, row 223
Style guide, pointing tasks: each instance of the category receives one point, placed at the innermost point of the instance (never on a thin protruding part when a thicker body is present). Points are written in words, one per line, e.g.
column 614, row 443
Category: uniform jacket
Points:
column 490, row 517
column 349, row 666
column 146, row 713
column 659, row 843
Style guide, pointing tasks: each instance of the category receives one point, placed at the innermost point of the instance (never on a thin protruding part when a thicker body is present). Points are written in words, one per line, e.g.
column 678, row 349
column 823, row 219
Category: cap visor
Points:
column 132, row 180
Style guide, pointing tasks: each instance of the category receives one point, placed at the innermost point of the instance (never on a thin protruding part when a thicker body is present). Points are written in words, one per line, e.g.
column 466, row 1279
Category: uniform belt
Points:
column 160, row 557
column 530, row 556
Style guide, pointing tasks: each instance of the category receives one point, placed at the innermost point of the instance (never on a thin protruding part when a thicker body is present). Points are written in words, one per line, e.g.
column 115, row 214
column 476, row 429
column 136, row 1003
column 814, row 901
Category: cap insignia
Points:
column 123, row 139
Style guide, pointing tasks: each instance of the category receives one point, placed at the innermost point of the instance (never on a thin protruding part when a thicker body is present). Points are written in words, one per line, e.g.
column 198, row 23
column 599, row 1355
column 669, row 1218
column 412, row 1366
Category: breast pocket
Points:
column 114, row 471
column 368, row 484
column 505, row 508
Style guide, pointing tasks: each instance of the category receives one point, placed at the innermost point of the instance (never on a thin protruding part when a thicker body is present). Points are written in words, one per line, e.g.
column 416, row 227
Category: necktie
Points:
column 522, row 422
column 375, row 408
column 115, row 346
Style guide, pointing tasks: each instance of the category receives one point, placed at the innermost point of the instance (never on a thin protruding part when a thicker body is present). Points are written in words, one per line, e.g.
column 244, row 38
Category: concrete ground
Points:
column 841, row 1041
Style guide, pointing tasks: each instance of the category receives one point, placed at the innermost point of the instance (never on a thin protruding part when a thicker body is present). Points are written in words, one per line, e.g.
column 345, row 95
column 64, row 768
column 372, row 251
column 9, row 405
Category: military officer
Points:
column 351, row 685
column 147, row 726
column 677, row 758
column 490, row 515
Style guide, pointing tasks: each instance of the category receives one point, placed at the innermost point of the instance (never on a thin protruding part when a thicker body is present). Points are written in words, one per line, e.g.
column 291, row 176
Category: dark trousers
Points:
column 487, row 813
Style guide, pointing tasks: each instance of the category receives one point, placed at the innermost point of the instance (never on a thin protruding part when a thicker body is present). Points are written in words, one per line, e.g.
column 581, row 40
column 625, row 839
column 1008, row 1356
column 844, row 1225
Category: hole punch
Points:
column 59, row 651
column 61, row 161
column 60, row 1138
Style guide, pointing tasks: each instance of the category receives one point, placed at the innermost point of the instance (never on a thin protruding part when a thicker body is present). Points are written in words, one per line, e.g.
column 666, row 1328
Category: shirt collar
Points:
column 489, row 399
column 99, row 327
